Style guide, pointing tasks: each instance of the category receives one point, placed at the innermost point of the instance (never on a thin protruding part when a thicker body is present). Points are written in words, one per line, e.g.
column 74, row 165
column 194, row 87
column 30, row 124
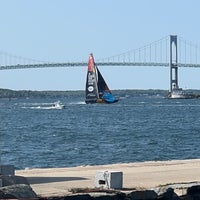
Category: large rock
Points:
column 13, row 180
column 168, row 194
column 108, row 196
column 194, row 192
column 6, row 196
column 18, row 191
column 69, row 197
column 142, row 195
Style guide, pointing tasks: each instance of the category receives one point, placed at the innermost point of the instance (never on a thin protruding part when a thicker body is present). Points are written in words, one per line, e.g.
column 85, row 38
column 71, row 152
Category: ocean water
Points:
column 142, row 126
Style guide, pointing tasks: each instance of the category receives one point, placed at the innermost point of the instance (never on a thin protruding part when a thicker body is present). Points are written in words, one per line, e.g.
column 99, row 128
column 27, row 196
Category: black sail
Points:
column 102, row 86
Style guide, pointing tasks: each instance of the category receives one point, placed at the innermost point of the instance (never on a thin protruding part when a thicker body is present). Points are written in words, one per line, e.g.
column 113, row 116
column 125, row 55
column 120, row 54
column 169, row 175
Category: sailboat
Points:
column 96, row 90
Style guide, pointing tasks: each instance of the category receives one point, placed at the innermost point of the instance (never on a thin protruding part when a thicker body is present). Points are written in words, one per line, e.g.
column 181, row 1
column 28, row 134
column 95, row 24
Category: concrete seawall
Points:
column 138, row 175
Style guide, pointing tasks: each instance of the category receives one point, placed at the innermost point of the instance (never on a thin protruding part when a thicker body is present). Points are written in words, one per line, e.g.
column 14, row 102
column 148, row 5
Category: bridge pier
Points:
column 173, row 63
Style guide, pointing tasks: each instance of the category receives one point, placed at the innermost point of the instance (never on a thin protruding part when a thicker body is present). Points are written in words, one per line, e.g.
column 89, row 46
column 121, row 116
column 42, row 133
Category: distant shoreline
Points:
column 8, row 93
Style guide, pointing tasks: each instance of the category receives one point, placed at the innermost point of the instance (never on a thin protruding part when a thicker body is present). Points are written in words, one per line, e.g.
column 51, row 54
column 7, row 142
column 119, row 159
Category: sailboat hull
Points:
column 87, row 101
column 100, row 101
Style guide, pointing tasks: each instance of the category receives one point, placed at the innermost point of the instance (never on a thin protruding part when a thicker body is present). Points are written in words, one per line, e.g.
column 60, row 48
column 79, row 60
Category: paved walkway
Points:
column 58, row 181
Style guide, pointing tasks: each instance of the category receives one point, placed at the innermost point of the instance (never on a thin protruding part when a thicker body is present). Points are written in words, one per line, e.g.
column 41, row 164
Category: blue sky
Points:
column 63, row 30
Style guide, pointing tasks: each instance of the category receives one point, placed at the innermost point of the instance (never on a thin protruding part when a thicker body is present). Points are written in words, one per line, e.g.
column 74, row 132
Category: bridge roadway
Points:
column 81, row 64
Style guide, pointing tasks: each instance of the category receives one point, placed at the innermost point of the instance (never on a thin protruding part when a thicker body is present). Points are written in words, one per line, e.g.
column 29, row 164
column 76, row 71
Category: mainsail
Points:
column 96, row 89
column 91, row 82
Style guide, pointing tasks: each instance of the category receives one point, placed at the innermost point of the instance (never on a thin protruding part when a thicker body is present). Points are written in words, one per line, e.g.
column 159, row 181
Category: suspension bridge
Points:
column 170, row 51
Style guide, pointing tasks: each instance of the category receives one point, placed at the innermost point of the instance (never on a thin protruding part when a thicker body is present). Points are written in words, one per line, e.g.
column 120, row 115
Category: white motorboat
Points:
column 178, row 93
column 58, row 105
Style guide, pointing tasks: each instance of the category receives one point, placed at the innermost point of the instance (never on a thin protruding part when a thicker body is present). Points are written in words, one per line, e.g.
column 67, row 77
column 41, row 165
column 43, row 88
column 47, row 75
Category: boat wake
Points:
column 46, row 106
column 77, row 103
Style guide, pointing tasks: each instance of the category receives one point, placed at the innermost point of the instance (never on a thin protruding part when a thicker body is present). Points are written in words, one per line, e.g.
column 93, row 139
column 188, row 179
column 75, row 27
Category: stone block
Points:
column 109, row 179
column 7, row 170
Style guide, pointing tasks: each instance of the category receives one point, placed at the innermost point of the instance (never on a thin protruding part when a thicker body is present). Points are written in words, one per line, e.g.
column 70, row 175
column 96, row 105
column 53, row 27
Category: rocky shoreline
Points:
column 186, row 191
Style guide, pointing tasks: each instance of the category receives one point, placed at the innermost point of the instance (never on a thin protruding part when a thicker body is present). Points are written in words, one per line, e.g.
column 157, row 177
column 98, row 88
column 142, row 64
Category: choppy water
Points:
column 140, row 127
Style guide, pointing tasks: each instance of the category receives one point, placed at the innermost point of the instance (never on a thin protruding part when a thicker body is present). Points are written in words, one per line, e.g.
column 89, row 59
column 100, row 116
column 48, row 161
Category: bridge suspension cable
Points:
column 189, row 53
column 7, row 60
column 155, row 52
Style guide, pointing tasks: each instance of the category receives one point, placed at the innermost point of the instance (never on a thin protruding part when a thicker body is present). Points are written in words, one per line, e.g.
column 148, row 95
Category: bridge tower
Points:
column 173, row 63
